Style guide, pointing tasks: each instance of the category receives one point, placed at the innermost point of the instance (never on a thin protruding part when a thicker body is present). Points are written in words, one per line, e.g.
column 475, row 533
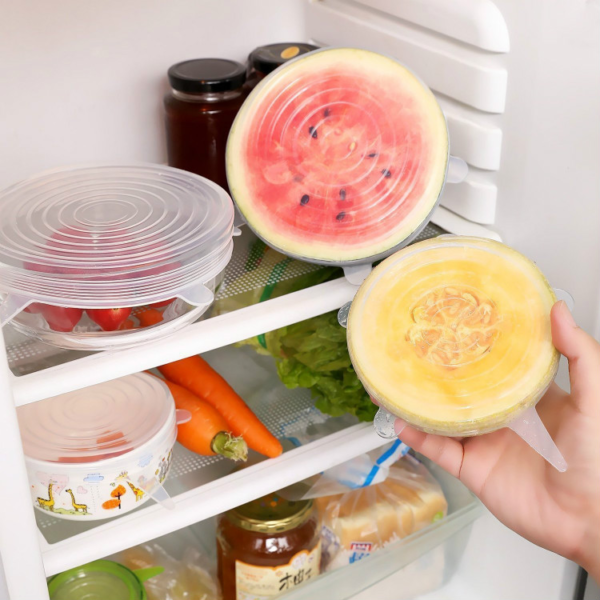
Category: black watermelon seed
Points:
column 342, row 194
column 326, row 112
column 313, row 131
column 304, row 200
column 386, row 173
column 372, row 155
column 341, row 216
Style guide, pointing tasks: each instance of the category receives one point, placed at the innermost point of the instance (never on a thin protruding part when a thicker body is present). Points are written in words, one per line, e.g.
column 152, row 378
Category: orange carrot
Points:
column 197, row 376
column 207, row 432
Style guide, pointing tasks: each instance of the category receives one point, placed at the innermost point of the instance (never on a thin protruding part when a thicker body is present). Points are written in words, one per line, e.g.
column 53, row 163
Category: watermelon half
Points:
column 338, row 156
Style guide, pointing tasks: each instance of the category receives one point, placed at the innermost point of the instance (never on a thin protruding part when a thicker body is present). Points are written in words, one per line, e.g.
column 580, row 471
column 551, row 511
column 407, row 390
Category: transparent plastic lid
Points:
column 96, row 423
column 338, row 156
column 453, row 335
column 111, row 236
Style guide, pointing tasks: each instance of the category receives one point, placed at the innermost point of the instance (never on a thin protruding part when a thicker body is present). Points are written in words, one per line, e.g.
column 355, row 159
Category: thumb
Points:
column 581, row 350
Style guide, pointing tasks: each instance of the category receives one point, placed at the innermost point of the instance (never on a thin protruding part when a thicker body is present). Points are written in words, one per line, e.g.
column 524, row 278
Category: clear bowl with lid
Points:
column 101, row 451
column 109, row 256
column 453, row 335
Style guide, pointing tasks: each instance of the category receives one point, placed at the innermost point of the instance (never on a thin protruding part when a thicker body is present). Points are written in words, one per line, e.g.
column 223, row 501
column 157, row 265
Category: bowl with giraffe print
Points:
column 101, row 451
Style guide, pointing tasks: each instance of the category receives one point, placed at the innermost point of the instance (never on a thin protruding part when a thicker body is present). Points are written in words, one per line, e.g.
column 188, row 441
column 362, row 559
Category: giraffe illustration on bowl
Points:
column 49, row 503
column 139, row 494
column 77, row 507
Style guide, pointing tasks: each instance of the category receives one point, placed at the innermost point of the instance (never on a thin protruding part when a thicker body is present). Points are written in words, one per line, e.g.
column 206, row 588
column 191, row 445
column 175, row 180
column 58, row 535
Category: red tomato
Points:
column 60, row 318
column 109, row 319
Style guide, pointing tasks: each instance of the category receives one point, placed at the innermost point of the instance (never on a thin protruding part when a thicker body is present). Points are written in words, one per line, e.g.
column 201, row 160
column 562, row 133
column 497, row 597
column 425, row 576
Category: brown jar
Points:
column 205, row 97
column 267, row 547
column 265, row 59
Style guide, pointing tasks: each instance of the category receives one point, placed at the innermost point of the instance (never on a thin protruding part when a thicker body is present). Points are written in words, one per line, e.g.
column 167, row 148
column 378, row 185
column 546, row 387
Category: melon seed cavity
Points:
column 372, row 155
column 304, row 200
column 342, row 194
column 340, row 216
column 386, row 173
column 326, row 112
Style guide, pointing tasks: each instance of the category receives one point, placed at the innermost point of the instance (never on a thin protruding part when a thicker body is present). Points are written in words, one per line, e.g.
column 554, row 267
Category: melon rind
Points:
column 452, row 416
column 330, row 251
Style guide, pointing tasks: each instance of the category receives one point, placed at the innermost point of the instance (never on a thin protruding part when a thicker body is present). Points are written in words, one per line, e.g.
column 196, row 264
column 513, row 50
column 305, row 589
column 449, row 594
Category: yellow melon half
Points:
column 453, row 335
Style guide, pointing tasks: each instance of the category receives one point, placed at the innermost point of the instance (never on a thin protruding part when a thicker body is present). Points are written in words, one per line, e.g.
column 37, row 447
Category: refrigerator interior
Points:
column 84, row 82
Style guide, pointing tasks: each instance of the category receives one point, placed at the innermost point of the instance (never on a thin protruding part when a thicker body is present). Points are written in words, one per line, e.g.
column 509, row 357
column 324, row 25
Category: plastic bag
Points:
column 371, row 501
column 187, row 579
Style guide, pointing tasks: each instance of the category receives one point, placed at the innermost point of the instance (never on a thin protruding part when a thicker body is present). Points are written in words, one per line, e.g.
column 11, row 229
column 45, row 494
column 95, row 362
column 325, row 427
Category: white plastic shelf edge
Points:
column 476, row 22
column 201, row 337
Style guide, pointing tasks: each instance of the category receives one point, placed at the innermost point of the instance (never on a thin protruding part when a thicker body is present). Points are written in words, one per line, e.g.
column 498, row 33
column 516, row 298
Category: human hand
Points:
column 558, row 511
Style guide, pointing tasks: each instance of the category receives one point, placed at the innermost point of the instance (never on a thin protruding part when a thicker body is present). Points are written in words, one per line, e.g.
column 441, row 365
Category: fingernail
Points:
column 568, row 317
column 399, row 426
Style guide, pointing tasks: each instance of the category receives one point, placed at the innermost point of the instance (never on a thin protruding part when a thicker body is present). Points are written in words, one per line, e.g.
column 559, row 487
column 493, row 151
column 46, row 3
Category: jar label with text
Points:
column 254, row 582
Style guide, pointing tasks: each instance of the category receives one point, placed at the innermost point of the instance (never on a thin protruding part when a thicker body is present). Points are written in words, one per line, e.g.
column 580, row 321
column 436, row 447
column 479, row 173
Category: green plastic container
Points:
column 101, row 580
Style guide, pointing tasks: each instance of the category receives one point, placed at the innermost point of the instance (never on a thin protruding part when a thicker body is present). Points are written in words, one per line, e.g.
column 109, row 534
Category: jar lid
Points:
column 271, row 514
column 97, row 580
column 206, row 75
column 112, row 236
column 266, row 59
column 98, row 422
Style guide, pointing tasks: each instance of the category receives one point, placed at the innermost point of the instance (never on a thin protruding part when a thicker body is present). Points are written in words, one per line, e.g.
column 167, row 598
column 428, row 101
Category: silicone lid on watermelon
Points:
column 97, row 423
column 109, row 236
column 338, row 156
column 453, row 335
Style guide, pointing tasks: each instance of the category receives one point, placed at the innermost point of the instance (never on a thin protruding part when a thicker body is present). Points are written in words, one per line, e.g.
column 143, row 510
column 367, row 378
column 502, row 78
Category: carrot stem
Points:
column 228, row 446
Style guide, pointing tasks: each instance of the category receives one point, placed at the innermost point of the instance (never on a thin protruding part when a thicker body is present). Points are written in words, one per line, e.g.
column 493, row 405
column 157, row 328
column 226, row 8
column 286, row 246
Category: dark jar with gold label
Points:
column 267, row 547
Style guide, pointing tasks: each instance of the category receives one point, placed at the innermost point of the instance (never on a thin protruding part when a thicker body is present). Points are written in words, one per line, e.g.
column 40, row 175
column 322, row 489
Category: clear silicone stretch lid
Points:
column 110, row 236
column 453, row 335
column 339, row 157
column 96, row 423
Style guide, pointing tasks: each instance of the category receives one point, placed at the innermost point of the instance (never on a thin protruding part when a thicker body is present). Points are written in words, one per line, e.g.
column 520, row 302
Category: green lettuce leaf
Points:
column 313, row 354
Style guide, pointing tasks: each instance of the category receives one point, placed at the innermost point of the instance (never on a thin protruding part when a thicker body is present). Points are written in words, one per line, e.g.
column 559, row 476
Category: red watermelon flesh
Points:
column 338, row 156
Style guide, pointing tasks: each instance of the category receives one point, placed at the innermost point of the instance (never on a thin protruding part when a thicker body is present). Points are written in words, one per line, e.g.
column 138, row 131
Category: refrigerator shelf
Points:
column 202, row 487
column 42, row 371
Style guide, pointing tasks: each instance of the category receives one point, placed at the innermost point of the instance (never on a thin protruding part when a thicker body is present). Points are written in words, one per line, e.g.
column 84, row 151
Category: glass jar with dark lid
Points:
column 267, row 546
column 265, row 59
column 205, row 97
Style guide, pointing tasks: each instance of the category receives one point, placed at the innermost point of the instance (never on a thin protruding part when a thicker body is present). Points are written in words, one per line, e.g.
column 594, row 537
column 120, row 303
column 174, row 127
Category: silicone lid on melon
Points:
column 338, row 156
column 453, row 335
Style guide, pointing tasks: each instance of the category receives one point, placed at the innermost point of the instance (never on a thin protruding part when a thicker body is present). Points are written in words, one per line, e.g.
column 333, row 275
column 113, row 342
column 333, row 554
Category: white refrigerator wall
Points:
column 84, row 81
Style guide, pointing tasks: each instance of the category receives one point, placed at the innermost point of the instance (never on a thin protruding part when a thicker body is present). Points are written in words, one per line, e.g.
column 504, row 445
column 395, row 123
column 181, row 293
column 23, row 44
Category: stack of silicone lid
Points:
column 99, row 422
column 339, row 157
column 110, row 236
